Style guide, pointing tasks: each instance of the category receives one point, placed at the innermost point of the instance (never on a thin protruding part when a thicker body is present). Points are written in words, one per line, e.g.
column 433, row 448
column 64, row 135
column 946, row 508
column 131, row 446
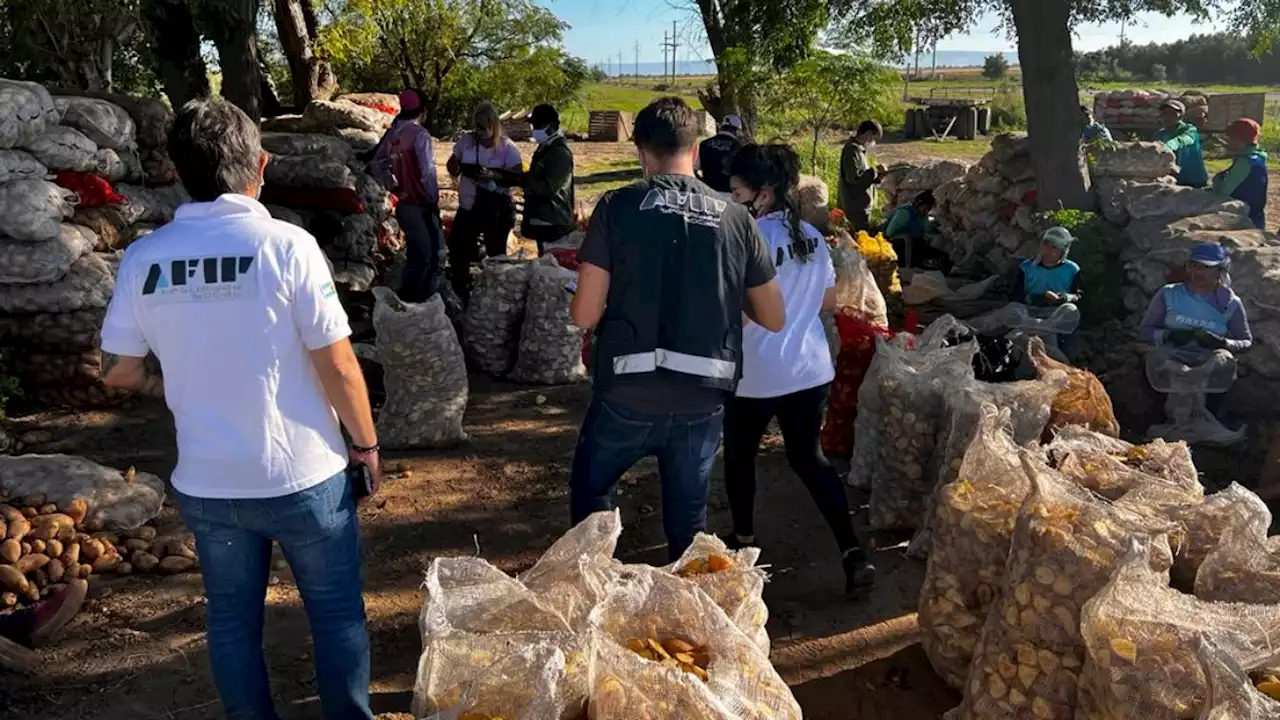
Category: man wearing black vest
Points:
column 668, row 269
column 712, row 161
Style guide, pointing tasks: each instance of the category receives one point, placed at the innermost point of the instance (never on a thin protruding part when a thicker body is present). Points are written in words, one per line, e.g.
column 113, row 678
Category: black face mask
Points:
column 750, row 205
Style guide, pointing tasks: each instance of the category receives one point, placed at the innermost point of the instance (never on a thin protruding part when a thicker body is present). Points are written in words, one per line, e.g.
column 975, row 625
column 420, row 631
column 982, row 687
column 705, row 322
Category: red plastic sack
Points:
column 383, row 108
column 857, row 348
column 343, row 200
column 567, row 258
column 94, row 191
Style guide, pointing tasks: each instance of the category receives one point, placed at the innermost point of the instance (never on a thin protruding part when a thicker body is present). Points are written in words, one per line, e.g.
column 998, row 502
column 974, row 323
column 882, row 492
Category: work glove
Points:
column 1179, row 337
column 1210, row 341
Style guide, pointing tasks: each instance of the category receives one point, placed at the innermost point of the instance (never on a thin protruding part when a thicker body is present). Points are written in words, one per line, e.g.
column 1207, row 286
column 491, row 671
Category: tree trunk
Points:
column 175, row 46
column 231, row 25
column 813, row 156
column 312, row 77
column 1050, row 90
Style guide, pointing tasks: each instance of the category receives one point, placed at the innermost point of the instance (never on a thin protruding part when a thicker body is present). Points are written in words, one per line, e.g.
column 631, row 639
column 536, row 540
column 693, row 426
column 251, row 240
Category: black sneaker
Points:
column 859, row 573
column 732, row 542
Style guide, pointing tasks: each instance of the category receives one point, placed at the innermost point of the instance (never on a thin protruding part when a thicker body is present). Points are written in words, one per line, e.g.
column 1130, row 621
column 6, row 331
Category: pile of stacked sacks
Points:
column 62, row 221
column 319, row 179
column 1141, row 108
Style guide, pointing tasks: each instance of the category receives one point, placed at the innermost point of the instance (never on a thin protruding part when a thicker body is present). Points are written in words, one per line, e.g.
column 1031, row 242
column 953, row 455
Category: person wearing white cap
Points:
column 1183, row 139
column 1049, row 279
column 712, row 163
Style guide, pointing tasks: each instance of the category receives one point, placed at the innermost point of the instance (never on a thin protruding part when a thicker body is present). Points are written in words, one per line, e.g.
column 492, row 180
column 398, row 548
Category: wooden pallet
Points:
column 609, row 126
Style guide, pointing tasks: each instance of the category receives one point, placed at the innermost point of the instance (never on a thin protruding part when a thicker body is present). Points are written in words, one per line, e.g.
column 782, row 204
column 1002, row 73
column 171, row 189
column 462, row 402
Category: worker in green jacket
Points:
column 1183, row 139
column 548, row 186
column 1246, row 180
column 858, row 177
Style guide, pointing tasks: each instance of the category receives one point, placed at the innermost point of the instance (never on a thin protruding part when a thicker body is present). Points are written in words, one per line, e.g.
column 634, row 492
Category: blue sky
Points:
column 602, row 28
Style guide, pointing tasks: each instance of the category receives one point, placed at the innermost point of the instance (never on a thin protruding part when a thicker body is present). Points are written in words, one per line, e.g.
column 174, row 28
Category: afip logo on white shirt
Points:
column 207, row 279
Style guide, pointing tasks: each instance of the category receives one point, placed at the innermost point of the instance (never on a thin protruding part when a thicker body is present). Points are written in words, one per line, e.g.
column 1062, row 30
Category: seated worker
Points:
column 1183, row 139
column 1049, row 279
column 907, row 228
column 1246, row 180
column 1192, row 321
column 1093, row 130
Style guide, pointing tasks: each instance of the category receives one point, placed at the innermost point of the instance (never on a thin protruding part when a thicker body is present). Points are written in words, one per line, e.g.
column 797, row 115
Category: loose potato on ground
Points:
column 174, row 564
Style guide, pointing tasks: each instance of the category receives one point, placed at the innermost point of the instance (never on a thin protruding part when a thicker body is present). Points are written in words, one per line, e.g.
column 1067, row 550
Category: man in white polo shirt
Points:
column 258, row 370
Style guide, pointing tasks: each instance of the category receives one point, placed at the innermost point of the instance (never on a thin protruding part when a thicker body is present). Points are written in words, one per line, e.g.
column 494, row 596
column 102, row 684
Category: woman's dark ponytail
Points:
column 776, row 166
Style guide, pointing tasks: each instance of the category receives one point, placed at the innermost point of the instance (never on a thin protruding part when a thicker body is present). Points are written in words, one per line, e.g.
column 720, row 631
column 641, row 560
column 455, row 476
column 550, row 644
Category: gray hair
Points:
column 216, row 148
column 485, row 116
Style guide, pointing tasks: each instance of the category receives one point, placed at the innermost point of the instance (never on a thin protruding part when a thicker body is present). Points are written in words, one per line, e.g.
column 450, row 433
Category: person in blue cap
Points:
column 1049, row 279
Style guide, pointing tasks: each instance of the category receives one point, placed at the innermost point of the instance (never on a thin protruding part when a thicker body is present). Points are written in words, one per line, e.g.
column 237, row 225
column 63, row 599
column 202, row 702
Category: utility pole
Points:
column 637, row 62
column 675, row 43
column 666, row 46
column 621, row 72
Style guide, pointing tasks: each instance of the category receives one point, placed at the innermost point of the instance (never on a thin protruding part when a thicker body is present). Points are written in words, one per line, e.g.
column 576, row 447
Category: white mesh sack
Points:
column 19, row 165
column 26, row 111
column 46, row 262
column 64, row 148
column 105, row 123
column 33, row 210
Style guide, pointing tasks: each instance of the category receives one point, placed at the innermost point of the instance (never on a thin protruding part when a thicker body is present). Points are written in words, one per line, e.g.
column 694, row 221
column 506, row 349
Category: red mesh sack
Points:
column 94, row 191
column 342, row 200
column 857, row 348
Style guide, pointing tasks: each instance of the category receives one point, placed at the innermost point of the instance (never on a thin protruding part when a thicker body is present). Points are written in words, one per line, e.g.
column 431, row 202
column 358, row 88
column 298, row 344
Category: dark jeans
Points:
column 316, row 529
column 800, row 418
column 464, row 244
column 424, row 248
column 544, row 235
column 615, row 437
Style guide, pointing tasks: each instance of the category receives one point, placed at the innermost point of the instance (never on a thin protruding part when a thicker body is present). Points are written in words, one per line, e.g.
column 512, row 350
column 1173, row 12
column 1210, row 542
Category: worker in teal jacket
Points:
column 1246, row 180
column 1183, row 139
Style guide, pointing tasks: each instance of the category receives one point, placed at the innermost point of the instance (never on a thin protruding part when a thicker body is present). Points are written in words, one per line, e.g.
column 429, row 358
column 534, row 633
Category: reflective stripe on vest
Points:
column 638, row 363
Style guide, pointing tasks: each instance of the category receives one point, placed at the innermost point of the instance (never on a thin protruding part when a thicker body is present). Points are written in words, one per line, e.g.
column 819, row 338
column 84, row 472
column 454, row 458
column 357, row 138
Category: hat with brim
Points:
column 1058, row 237
column 731, row 122
column 1210, row 255
column 1174, row 105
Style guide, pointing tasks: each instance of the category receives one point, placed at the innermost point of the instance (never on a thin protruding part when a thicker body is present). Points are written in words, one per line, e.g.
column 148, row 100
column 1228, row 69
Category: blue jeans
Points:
column 317, row 531
column 424, row 251
column 615, row 437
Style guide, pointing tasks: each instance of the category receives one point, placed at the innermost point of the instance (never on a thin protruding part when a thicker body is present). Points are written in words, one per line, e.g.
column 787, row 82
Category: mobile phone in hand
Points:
column 361, row 478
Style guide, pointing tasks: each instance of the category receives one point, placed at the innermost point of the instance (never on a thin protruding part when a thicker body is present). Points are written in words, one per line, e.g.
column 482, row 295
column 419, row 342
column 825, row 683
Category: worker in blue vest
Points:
column 667, row 272
column 1246, row 180
column 1183, row 139
column 1049, row 279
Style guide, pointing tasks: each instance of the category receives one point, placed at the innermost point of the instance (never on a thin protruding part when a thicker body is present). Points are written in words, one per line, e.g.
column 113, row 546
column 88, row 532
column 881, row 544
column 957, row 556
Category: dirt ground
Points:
column 138, row 653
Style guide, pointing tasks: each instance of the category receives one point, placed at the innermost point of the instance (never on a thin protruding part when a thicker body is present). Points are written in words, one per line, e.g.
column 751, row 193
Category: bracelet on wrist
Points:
column 365, row 450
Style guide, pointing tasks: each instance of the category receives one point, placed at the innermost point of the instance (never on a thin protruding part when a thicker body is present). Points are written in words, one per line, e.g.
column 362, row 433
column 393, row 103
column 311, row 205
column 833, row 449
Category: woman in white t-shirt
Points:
column 485, row 165
column 787, row 375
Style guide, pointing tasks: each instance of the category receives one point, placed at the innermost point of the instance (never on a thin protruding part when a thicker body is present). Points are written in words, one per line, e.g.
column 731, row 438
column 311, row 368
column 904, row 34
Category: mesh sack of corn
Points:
column 1245, row 566
column 1066, row 544
column 46, row 262
column 1084, row 401
column 911, row 412
column 1142, row 637
column 19, row 165
column 664, row 649
column 105, row 123
column 26, row 111
column 1029, row 403
column 521, row 685
column 87, row 285
column 495, row 313
column 1232, row 694
column 1205, row 524
column 573, row 575
column 110, row 223
column 64, row 148
column 732, row 580
column 1113, row 468
column 32, row 210
column 883, row 263
column 425, row 373
column 550, row 348
column 973, row 525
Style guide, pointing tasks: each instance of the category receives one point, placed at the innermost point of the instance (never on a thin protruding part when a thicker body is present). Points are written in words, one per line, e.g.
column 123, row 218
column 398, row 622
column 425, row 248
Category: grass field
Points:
column 626, row 97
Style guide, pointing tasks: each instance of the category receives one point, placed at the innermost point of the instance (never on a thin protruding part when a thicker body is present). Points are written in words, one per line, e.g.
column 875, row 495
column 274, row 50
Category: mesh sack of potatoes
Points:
column 732, row 580
column 33, row 210
column 105, row 123
column 1065, row 546
column 864, row 464
column 64, row 148
column 1204, row 525
column 19, row 165
column 573, row 575
column 523, row 684
column 83, row 368
column 911, row 413
column 309, row 171
column 358, row 239
column 26, row 111
column 46, row 262
column 664, row 649
column 1232, row 694
column 152, row 205
column 1144, row 160
column 974, row 518
column 1245, row 565
column 60, row 332
column 1176, row 201
column 158, row 167
column 1083, row 402
column 1113, row 468
column 116, row 166
column 495, row 313
column 550, row 348
column 360, row 141
column 87, row 285
column 425, row 373
column 110, row 223
column 1028, row 402
column 1142, row 637
column 326, row 116
column 116, row 500
column 308, row 144
column 85, row 397
column 356, row 275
